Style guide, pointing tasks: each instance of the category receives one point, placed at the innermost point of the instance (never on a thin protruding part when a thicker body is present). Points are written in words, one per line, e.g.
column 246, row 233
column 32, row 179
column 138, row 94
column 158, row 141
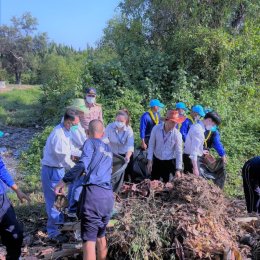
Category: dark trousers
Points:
column 11, row 231
column 188, row 167
column 162, row 169
column 251, row 180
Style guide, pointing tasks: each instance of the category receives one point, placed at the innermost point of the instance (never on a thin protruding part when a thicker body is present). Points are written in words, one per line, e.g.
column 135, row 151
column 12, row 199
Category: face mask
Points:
column 208, row 127
column 74, row 128
column 91, row 100
column 119, row 124
column 213, row 128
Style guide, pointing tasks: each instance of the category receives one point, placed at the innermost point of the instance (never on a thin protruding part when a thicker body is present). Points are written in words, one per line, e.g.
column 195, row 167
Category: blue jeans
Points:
column 75, row 190
column 50, row 177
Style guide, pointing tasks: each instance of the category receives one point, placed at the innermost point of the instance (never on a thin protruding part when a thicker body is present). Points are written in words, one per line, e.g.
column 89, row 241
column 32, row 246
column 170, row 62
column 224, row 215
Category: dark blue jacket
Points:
column 146, row 125
column 5, row 177
column 214, row 142
column 185, row 127
column 96, row 161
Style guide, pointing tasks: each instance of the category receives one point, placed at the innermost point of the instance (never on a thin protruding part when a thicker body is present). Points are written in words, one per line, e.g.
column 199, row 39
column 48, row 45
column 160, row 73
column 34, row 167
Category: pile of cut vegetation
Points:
column 187, row 218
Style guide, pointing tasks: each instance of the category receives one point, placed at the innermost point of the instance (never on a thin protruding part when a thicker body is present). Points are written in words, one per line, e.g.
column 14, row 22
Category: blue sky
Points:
column 76, row 23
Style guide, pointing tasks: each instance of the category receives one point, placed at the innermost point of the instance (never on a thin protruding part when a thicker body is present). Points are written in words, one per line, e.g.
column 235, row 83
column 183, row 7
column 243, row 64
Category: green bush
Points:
column 31, row 160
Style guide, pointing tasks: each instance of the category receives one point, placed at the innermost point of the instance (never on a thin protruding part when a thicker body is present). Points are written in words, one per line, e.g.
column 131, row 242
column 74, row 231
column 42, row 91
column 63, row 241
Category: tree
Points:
column 18, row 44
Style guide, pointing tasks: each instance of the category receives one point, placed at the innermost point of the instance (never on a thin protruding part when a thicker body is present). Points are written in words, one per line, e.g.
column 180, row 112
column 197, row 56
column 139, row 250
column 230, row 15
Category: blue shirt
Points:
column 215, row 143
column 5, row 177
column 96, row 161
column 185, row 127
column 146, row 125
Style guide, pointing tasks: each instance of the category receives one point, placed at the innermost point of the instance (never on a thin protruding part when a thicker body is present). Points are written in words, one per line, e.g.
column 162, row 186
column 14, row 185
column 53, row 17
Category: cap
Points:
column 92, row 91
column 181, row 105
column 198, row 109
column 156, row 103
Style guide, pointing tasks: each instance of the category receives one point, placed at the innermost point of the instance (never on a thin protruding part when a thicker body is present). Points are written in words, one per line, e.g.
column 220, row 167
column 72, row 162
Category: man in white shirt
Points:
column 56, row 159
column 165, row 145
column 193, row 147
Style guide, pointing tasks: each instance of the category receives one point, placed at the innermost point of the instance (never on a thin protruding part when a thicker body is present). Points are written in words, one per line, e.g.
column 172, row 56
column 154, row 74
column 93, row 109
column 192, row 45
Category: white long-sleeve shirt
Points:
column 120, row 142
column 165, row 146
column 57, row 150
column 195, row 140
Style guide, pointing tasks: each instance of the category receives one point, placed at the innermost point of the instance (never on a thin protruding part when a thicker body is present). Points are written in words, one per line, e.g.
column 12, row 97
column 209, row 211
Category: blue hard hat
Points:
column 156, row 103
column 181, row 105
column 198, row 109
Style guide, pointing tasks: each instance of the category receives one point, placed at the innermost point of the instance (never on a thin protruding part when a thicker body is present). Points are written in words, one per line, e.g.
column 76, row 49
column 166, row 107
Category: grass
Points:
column 20, row 107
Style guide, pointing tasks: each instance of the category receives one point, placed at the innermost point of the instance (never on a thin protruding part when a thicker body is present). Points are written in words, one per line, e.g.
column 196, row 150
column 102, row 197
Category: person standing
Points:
column 97, row 195
column 148, row 120
column 56, row 159
column 11, row 231
column 251, row 184
column 165, row 148
column 94, row 109
column 120, row 137
column 193, row 147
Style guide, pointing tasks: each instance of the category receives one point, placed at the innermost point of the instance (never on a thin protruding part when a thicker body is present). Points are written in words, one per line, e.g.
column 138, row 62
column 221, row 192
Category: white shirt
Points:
column 165, row 146
column 57, row 150
column 195, row 140
column 120, row 142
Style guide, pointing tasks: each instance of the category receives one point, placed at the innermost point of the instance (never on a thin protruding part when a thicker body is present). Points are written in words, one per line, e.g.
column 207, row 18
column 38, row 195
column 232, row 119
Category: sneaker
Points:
column 60, row 239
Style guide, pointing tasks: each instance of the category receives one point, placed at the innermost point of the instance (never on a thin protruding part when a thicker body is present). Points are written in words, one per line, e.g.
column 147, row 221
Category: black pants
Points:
column 11, row 231
column 251, row 180
column 188, row 167
column 162, row 169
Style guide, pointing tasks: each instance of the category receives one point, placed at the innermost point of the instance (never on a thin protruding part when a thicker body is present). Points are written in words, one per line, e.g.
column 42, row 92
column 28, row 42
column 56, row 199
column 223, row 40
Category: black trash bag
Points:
column 139, row 171
column 119, row 166
column 216, row 174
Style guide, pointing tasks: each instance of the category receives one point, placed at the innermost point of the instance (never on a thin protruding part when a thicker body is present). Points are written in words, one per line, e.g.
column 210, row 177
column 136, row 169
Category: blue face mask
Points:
column 74, row 128
column 214, row 128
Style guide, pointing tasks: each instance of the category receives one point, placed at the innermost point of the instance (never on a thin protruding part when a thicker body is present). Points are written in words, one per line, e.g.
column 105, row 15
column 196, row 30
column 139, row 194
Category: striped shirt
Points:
column 165, row 146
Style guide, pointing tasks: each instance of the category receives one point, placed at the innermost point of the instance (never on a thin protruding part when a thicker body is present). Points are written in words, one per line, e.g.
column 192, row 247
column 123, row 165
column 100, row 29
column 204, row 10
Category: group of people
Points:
column 79, row 155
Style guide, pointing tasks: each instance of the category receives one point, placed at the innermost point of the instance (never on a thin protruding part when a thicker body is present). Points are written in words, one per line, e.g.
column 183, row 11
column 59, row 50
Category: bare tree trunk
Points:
column 18, row 78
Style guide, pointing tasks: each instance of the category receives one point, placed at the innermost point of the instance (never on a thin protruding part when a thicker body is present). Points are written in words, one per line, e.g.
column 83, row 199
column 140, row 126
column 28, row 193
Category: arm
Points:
column 100, row 117
column 130, row 144
column 178, row 152
column 143, row 125
column 62, row 151
column 8, row 180
column 197, row 139
column 151, row 147
column 218, row 146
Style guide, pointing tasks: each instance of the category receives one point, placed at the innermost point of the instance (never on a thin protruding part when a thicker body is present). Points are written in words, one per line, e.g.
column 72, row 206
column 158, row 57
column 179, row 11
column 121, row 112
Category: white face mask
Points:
column 91, row 100
column 119, row 124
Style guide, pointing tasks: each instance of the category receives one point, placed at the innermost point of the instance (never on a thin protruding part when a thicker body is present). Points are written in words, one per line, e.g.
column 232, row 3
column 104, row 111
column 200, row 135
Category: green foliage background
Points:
column 204, row 52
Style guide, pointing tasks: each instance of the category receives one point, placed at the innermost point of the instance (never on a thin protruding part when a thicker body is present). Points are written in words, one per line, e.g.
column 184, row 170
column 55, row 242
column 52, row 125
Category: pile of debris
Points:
column 187, row 218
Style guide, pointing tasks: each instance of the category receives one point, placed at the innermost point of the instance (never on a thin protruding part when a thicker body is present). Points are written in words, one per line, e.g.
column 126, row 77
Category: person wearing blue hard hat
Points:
column 181, row 108
column 148, row 120
column 196, row 113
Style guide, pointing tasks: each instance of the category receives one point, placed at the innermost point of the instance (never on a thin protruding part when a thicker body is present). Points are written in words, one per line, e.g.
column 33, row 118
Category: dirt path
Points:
column 15, row 141
column 13, row 86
